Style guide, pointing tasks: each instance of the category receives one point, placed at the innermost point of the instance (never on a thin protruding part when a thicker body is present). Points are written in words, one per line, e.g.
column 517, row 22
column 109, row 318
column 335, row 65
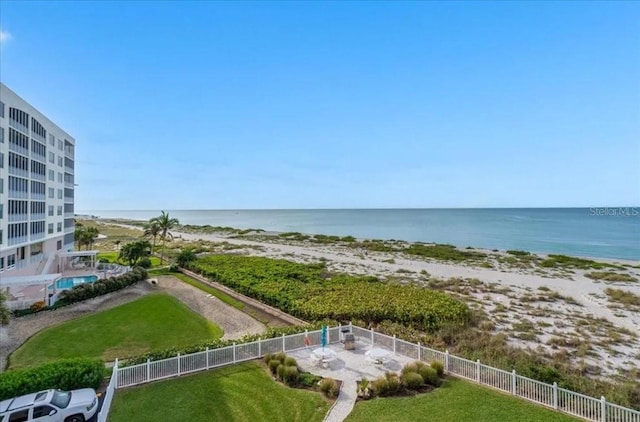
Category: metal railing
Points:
column 549, row 395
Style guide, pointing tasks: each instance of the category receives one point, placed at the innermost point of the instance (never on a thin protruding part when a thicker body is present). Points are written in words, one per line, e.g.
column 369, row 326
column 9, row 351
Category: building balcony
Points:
column 18, row 172
column 19, row 126
column 17, row 148
column 68, row 185
column 38, row 216
column 69, row 215
column 38, row 157
column 69, row 229
column 18, row 218
column 17, row 240
column 18, row 194
column 38, row 176
column 68, row 169
column 37, row 236
column 38, row 196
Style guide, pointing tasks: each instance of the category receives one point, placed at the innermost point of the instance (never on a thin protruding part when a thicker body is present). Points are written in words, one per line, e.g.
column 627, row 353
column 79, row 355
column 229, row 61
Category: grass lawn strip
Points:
column 241, row 392
column 455, row 401
column 154, row 322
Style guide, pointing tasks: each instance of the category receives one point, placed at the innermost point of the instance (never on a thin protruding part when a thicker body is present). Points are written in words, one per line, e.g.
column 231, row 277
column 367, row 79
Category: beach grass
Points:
column 154, row 322
column 242, row 392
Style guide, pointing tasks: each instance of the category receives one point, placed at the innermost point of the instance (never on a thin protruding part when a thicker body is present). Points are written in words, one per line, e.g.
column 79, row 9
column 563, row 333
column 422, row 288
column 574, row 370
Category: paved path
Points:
column 344, row 403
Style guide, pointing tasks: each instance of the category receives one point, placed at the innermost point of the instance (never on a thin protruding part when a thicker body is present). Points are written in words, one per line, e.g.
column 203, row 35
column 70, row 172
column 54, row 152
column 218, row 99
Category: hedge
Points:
column 65, row 374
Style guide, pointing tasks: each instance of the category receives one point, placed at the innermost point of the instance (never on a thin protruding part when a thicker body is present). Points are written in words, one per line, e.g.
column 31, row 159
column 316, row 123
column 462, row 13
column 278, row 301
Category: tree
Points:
column 185, row 257
column 152, row 230
column 86, row 236
column 133, row 252
column 165, row 223
column 5, row 313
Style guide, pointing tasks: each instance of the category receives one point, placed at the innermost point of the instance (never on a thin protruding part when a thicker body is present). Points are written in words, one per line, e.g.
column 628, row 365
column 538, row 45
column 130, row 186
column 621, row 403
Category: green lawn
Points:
column 200, row 285
column 235, row 393
column 154, row 322
column 113, row 258
column 455, row 401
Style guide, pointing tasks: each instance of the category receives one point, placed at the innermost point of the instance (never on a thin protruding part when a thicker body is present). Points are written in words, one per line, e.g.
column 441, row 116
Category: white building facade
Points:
column 36, row 189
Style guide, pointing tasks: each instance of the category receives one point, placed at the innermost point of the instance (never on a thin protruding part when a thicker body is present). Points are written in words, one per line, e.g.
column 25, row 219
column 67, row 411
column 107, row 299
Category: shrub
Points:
column 393, row 381
column 281, row 356
column 380, row 386
column 430, row 376
column 268, row 358
column 38, row 306
column 67, row 374
column 439, row 367
column 309, row 380
column 412, row 380
column 411, row 367
column 273, row 366
column 289, row 361
column 329, row 387
column 101, row 287
column 145, row 262
column 290, row 375
column 280, row 371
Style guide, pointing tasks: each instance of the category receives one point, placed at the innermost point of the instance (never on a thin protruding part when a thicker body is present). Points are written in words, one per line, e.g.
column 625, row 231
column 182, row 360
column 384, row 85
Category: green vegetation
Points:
column 629, row 299
column 310, row 292
column 235, row 393
column 85, row 235
column 610, row 276
column 443, row 252
column 114, row 257
column 101, row 287
column 518, row 253
column 131, row 253
column 454, row 401
column 5, row 313
column 153, row 322
column 573, row 262
column 65, row 374
column 164, row 225
column 202, row 286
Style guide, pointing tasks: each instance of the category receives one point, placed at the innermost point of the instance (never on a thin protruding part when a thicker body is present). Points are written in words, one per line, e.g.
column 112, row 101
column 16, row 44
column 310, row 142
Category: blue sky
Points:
column 336, row 105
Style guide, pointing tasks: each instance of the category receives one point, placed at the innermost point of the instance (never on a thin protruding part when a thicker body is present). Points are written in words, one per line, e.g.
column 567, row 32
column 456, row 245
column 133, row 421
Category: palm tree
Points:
column 165, row 223
column 152, row 230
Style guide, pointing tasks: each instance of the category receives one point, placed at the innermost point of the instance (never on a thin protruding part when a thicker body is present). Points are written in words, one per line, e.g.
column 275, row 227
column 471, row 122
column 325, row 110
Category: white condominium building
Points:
column 36, row 190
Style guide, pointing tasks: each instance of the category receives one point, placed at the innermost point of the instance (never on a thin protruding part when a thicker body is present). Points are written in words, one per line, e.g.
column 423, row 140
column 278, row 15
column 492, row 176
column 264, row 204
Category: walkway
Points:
column 349, row 367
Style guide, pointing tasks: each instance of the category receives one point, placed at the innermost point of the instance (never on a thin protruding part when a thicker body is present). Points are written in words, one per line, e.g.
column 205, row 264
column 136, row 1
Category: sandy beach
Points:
column 548, row 310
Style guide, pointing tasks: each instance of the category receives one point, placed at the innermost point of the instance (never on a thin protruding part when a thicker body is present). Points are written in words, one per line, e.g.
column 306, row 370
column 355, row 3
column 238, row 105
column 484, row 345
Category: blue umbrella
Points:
column 323, row 336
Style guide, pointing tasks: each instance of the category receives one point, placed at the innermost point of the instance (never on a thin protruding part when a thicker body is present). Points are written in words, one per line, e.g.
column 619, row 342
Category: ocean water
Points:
column 587, row 232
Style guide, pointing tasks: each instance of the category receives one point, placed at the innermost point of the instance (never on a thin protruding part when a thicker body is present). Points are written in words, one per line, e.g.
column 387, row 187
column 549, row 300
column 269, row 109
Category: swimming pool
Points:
column 69, row 282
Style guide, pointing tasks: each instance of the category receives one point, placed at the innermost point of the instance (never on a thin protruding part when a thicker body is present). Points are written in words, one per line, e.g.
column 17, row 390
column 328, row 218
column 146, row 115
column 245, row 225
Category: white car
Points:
column 51, row 406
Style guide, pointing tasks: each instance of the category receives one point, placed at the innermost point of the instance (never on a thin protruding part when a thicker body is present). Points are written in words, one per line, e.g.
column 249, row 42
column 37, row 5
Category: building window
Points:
column 2, row 135
column 59, row 193
column 50, row 210
column 52, row 175
column 52, row 140
column 1, row 263
column 60, row 176
column 59, row 245
column 1, row 211
column 11, row 261
column 1, row 185
column 1, row 160
column 1, row 109
column 52, row 192
column 60, row 144
column 59, row 209
column 50, row 228
column 59, row 227
column 52, row 158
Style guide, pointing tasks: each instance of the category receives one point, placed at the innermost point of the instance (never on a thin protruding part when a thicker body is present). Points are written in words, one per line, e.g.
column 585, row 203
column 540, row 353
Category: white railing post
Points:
column 207, row 352
column 446, row 361
column 603, row 409
column 513, row 382
column 478, row 371
column 419, row 351
column 234, row 353
column 555, row 395
column 178, row 364
column 284, row 349
column 371, row 337
column 259, row 347
column 115, row 374
column 148, row 370
column 394, row 344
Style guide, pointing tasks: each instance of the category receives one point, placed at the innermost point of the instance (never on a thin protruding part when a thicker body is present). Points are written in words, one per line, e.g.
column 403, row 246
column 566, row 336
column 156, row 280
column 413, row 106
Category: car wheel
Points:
column 75, row 418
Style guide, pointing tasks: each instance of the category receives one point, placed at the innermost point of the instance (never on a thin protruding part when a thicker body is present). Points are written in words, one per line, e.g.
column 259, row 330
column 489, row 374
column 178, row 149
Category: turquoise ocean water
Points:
column 589, row 232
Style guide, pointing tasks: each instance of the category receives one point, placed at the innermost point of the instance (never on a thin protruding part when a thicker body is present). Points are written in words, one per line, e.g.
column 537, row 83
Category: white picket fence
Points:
column 552, row 396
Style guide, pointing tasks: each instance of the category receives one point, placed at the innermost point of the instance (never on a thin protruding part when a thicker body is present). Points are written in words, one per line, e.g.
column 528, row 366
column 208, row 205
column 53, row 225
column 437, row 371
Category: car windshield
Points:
column 61, row 399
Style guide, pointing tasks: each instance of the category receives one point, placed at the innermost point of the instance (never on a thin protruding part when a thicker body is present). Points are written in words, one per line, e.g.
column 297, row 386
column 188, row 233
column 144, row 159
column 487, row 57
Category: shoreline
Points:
column 276, row 234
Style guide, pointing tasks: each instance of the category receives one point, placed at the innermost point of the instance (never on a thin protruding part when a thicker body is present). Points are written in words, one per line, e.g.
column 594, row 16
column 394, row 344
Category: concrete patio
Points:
column 349, row 366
